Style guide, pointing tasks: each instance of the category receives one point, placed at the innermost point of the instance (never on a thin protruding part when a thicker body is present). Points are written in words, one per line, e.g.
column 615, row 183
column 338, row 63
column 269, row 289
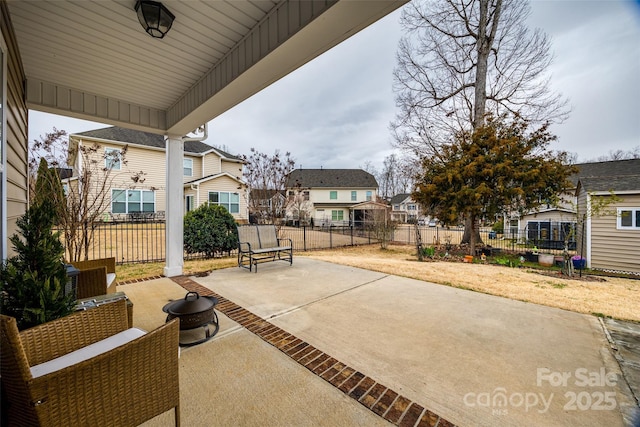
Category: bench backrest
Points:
column 249, row 234
column 268, row 237
column 261, row 236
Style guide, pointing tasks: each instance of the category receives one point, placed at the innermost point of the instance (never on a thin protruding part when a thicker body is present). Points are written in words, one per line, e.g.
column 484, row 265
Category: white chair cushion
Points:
column 110, row 278
column 87, row 352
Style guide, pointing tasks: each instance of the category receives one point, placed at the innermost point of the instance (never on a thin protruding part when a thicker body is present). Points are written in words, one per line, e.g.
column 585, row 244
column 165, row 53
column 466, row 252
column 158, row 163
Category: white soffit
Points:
column 92, row 60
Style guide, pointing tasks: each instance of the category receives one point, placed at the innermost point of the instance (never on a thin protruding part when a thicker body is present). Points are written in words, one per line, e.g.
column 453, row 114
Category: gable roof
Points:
column 214, row 176
column 399, row 198
column 147, row 139
column 331, row 178
column 617, row 175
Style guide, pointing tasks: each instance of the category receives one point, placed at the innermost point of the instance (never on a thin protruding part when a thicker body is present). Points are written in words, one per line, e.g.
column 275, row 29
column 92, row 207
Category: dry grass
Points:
column 615, row 297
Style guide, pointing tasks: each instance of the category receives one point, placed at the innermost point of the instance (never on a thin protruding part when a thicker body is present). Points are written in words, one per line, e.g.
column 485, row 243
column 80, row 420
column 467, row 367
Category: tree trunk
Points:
column 466, row 236
column 474, row 235
column 483, row 48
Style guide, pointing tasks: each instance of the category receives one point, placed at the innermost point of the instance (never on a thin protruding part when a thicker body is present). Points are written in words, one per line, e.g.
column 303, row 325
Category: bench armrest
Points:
column 285, row 239
column 244, row 246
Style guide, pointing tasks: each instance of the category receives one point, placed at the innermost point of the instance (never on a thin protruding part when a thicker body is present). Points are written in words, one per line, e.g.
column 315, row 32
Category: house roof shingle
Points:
column 617, row 175
column 331, row 178
column 130, row 136
column 399, row 198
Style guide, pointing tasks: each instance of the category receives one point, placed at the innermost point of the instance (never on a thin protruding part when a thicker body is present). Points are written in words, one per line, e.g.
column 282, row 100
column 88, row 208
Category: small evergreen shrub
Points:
column 209, row 230
column 32, row 282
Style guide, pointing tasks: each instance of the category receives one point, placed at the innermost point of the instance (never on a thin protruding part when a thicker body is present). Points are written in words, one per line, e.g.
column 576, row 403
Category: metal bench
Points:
column 260, row 243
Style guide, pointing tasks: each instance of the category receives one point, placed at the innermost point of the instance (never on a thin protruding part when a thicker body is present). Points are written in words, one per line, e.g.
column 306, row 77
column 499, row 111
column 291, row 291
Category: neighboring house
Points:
column 404, row 208
column 611, row 238
column 137, row 82
column 332, row 196
column 265, row 205
column 552, row 223
column 210, row 175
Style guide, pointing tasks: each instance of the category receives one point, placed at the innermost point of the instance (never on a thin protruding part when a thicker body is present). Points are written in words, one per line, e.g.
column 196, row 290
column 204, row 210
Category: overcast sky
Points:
column 334, row 112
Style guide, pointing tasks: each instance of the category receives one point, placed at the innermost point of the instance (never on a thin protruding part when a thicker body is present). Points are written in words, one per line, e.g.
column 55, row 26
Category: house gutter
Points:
column 205, row 130
column 587, row 226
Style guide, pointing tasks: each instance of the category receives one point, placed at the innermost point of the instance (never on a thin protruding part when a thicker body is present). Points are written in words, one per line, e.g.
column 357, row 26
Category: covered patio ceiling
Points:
column 92, row 60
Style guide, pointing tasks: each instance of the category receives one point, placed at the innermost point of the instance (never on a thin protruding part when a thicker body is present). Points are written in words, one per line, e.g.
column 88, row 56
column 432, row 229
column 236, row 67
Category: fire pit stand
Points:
column 197, row 317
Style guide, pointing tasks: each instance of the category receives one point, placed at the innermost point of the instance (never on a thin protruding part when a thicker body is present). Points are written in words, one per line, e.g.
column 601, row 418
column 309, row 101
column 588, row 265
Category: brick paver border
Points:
column 383, row 401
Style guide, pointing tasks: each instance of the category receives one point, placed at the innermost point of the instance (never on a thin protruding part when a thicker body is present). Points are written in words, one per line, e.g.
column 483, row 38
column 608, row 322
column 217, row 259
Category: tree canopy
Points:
column 501, row 166
column 461, row 59
column 266, row 176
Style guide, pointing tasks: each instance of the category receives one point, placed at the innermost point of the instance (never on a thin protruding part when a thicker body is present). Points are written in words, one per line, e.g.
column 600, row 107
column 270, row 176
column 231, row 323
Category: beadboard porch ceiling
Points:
column 92, row 60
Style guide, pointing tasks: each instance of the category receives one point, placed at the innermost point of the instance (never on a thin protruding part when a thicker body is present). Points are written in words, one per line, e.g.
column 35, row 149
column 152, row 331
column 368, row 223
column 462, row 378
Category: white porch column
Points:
column 173, row 210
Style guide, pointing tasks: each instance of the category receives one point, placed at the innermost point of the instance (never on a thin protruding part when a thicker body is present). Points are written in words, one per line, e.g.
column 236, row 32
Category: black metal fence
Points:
column 513, row 240
column 144, row 241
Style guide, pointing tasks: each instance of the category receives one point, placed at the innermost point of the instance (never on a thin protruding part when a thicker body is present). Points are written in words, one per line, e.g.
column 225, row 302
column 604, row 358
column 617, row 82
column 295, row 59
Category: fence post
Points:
column 351, row 227
column 304, row 237
column 330, row 236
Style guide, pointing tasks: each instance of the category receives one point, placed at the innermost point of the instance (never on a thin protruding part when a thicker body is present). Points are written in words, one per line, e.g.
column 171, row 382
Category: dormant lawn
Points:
column 615, row 297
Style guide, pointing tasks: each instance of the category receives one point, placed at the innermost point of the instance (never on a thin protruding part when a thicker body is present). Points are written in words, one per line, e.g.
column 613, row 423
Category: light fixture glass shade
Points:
column 154, row 17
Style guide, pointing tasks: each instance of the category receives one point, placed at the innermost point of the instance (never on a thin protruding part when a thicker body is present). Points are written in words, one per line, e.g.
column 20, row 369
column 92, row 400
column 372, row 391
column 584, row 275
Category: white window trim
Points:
column 220, row 204
column 634, row 225
column 126, row 201
column 108, row 160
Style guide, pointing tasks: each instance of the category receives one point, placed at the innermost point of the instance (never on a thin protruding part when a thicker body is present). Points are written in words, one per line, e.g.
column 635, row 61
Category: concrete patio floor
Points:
column 380, row 350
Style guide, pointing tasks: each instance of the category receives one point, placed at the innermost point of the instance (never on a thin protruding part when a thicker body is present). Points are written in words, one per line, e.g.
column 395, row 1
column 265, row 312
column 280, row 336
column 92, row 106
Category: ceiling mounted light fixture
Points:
column 154, row 17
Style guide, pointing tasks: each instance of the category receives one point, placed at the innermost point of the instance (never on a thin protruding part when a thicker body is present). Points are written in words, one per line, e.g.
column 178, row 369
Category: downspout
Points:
column 205, row 129
column 586, row 222
column 196, row 188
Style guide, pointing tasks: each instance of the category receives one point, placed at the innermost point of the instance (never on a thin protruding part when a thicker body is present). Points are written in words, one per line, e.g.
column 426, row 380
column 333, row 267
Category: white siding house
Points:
column 210, row 175
column 331, row 196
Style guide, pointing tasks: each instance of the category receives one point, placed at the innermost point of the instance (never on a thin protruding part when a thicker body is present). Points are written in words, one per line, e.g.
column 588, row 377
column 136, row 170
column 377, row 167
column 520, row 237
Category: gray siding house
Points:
column 609, row 237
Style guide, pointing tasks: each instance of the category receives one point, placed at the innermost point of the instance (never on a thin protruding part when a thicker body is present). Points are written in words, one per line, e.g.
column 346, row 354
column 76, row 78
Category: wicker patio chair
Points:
column 96, row 277
column 124, row 386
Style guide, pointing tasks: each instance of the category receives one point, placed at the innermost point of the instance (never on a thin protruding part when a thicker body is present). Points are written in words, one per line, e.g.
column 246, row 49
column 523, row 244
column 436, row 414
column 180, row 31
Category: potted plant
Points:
column 578, row 262
column 545, row 260
column 32, row 283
